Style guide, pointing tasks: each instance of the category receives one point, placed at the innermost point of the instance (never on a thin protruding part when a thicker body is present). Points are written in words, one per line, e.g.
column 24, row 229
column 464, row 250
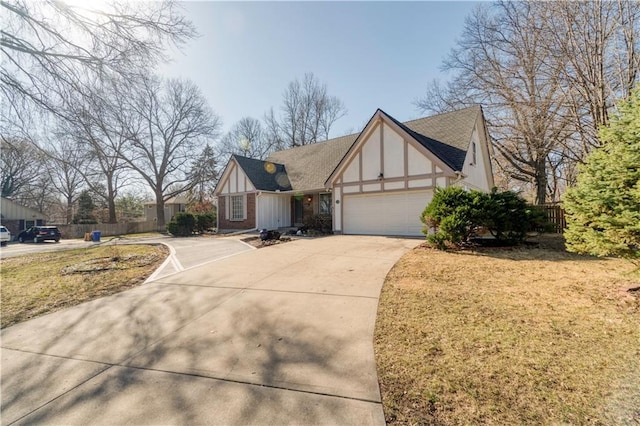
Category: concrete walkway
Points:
column 280, row 335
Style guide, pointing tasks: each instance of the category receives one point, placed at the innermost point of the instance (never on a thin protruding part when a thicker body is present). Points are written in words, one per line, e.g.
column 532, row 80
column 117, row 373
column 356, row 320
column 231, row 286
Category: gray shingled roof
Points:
column 308, row 167
column 264, row 176
column 447, row 135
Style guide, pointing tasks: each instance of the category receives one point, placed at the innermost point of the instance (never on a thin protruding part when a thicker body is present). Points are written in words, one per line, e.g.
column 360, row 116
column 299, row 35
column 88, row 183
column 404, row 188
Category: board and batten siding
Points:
column 273, row 210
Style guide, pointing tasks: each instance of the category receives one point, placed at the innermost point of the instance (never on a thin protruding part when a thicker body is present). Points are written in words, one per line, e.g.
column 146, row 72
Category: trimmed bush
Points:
column 320, row 223
column 452, row 214
column 506, row 216
column 205, row 221
column 456, row 215
column 182, row 225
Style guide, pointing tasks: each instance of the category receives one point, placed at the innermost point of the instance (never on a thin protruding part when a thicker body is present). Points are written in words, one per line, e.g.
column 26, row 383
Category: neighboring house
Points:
column 171, row 207
column 374, row 182
column 17, row 217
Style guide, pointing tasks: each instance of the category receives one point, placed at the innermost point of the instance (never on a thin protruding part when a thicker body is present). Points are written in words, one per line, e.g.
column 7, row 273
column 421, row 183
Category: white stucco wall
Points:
column 476, row 173
column 393, row 148
column 352, row 173
column 236, row 182
column 371, row 166
column 418, row 163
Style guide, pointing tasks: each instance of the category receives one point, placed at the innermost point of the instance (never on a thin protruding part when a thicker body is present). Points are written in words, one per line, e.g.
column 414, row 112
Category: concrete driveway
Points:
column 193, row 252
column 280, row 335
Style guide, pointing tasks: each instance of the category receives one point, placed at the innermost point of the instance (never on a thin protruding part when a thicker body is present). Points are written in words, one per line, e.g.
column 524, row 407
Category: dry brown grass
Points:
column 37, row 284
column 499, row 336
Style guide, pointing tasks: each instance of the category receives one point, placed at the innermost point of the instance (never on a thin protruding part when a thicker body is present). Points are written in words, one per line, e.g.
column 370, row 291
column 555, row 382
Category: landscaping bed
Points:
column 259, row 243
column 530, row 335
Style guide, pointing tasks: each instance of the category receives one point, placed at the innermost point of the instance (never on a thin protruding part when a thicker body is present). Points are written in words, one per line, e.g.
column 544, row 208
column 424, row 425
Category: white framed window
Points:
column 237, row 207
column 473, row 153
column 325, row 204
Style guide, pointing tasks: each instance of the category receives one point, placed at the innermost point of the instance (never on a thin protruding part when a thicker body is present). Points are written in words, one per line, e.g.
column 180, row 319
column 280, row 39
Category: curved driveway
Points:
column 281, row 335
column 193, row 252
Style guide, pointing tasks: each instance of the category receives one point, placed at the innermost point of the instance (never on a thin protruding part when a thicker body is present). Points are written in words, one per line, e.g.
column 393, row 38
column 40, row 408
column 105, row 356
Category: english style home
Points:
column 374, row 182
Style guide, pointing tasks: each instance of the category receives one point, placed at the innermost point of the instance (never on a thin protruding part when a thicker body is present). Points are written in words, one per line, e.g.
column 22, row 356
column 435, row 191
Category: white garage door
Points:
column 385, row 214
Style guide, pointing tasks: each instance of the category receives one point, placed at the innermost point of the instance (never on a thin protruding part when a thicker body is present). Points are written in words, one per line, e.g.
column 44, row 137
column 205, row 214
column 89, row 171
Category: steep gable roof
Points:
column 265, row 176
column 309, row 166
column 447, row 135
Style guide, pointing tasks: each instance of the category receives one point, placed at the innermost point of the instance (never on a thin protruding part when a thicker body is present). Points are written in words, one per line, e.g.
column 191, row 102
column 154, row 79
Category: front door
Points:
column 298, row 211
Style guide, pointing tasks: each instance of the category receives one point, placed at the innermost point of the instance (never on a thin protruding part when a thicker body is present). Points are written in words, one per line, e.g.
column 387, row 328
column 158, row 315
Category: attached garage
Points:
column 375, row 182
column 396, row 213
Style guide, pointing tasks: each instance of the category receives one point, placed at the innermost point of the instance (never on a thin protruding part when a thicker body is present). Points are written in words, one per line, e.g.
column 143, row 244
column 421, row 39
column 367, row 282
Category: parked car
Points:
column 5, row 235
column 38, row 234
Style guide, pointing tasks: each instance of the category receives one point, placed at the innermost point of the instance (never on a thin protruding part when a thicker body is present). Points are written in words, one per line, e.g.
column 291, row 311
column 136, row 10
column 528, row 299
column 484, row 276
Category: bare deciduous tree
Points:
column 97, row 123
column 502, row 63
column 173, row 124
column 247, row 138
column 598, row 41
column 51, row 46
column 580, row 57
column 308, row 112
column 272, row 130
column 65, row 173
column 56, row 53
column 20, row 165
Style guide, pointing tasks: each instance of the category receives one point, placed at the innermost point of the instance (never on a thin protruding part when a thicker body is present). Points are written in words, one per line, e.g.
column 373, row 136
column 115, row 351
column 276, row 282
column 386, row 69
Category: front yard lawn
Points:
column 509, row 336
column 37, row 284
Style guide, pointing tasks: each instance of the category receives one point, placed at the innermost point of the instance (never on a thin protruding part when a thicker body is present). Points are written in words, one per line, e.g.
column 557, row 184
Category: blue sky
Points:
column 370, row 54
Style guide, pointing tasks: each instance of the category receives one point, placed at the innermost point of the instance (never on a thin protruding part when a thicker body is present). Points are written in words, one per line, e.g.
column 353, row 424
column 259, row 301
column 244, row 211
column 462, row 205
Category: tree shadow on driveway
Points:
column 179, row 354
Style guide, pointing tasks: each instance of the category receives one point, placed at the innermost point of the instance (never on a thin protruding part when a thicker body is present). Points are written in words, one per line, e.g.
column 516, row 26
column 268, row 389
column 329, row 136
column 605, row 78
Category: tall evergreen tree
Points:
column 604, row 207
column 86, row 209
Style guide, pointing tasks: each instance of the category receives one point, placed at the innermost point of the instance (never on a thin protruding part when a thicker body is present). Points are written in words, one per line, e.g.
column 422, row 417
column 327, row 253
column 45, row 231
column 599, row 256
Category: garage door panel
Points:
column 385, row 214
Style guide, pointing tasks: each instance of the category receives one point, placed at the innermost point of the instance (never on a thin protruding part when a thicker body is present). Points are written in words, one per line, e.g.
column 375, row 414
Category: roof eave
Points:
column 224, row 176
column 329, row 182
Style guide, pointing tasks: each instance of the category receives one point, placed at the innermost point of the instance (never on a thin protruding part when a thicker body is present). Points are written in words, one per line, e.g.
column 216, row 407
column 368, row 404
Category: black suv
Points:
column 38, row 234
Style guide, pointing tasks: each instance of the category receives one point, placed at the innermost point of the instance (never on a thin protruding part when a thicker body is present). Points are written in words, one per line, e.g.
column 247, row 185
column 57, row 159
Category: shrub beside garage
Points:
column 456, row 216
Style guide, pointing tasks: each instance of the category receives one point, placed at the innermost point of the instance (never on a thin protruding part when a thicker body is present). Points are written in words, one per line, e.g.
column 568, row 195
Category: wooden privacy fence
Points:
column 555, row 214
column 108, row 229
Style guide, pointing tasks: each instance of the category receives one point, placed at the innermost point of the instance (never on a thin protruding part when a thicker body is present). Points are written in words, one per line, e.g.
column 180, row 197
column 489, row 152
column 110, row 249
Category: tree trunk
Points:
column 111, row 203
column 160, row 212
column 111, row 200
column 541, row 181
column 69, row 210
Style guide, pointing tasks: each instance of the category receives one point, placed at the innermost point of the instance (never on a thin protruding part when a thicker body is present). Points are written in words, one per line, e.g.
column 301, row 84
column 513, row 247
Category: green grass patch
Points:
column 509, row 336
column 38, row 284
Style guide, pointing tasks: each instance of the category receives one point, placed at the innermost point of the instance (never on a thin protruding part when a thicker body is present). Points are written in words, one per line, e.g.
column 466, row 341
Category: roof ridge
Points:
column 315, row 143
column 243, row 157
column 356, row 134
column 440, row 114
